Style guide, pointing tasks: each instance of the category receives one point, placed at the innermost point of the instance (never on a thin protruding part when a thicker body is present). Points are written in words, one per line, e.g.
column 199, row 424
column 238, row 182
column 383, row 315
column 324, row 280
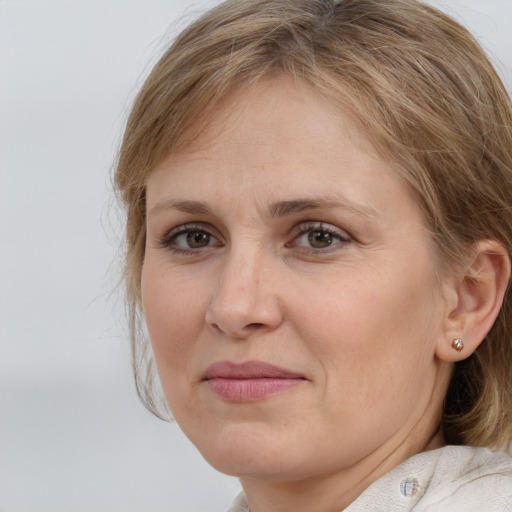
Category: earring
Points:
column 457, row 344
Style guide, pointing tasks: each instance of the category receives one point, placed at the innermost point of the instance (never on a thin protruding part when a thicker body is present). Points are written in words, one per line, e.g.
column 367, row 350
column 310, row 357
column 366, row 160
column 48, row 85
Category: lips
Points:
column 249, row 381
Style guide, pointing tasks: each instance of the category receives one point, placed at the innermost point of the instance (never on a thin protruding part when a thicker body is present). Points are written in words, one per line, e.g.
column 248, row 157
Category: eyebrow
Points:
column 284, row 208
column 193, row 207
column 278, row 209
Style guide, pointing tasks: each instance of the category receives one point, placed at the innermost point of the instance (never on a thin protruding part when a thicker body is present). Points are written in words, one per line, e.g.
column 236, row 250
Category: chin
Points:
column 245, row 450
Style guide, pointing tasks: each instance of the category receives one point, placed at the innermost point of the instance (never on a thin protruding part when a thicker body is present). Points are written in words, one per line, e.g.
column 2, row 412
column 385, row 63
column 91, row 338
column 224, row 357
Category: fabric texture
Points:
column 450, row 479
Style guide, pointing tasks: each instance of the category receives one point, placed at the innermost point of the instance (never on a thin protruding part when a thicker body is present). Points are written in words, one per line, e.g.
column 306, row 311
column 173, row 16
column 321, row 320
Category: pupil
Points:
column 320, row 239
column 197, row 239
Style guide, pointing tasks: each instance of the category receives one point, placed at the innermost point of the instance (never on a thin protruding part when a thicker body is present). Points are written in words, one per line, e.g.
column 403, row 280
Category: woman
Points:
column 318, row 240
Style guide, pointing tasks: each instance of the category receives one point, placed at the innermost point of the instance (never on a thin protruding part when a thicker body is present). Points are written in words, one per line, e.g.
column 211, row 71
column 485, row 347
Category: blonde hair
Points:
column 427, row 94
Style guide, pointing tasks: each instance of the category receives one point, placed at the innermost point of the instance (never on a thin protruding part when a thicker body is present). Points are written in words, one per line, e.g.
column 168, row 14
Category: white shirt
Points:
column 450, row 479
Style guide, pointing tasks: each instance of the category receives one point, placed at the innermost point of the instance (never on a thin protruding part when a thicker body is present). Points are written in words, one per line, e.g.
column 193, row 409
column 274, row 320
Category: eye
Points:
column 193, row 239
column 189, row 238
column 320, row 239
column 318, row 236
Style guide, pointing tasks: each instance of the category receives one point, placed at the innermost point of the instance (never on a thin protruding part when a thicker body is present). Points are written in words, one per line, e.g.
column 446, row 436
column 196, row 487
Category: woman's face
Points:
column 290, row 293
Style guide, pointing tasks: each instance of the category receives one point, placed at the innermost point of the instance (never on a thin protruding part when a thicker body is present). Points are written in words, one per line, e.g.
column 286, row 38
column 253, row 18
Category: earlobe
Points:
column 477, row 297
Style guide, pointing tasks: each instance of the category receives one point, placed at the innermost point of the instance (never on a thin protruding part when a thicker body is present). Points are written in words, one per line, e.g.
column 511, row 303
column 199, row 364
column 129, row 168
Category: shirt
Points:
column 450, row 479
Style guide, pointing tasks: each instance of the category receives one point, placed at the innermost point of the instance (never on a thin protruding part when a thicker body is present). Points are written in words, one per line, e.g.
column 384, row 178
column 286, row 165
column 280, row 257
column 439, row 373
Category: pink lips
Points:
column 250, row 381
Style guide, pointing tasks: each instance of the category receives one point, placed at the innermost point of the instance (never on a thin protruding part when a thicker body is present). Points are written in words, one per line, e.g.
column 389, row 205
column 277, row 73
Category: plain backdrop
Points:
column 73, row 437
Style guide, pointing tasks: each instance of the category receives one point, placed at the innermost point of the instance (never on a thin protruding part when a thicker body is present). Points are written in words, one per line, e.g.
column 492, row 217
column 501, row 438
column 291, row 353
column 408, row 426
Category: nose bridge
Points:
column 239, row 279
column 244, row 298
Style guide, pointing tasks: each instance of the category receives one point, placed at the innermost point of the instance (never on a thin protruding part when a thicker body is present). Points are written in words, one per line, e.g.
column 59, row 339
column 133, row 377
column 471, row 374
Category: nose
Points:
column 245, row 300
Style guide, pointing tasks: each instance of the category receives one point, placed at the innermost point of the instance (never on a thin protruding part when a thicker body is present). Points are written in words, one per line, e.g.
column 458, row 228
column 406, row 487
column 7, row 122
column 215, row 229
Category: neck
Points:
column 334, row 492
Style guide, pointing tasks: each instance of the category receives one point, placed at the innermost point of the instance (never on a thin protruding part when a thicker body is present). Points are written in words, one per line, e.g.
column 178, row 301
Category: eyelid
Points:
column 167, row 239
column 305, row 227
column 300, row 229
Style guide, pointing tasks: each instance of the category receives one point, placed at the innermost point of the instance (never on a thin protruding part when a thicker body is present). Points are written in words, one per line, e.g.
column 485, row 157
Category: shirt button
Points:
column 409, row 487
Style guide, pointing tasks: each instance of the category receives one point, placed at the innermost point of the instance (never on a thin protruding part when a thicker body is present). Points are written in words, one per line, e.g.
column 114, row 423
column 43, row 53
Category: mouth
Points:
column 250, row 381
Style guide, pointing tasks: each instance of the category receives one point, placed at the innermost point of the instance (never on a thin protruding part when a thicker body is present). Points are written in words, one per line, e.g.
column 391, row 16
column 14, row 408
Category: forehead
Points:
column 278, row 123
column 279, row 142
column 271, row 114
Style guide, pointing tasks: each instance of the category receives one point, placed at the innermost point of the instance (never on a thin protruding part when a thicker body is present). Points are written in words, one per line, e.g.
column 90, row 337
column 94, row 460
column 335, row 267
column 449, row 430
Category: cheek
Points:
column 372, row 336
column 174, row 314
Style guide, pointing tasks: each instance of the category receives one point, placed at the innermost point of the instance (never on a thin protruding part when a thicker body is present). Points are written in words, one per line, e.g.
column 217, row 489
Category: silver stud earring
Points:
column 457, row 344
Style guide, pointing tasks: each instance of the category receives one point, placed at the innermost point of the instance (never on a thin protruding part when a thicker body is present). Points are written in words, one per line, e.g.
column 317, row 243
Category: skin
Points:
column 357, row 311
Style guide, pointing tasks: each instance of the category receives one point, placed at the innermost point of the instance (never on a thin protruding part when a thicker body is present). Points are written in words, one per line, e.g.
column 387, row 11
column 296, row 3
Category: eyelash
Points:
column 342, row 237
column 169, row 240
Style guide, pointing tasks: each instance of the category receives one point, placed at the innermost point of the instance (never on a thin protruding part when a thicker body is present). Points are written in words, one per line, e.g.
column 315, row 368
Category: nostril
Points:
column 254, row 325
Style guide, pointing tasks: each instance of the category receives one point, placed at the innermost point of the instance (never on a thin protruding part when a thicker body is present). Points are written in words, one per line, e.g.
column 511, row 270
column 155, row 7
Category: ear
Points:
column 474, row 300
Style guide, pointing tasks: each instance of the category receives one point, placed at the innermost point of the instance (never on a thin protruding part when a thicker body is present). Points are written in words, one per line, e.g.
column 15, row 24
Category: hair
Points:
column 426, row 93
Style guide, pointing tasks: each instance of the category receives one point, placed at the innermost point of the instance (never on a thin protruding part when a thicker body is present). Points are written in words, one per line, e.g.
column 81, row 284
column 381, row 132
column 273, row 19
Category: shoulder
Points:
column 450, row 479
column 239, row 505
column 468, row 479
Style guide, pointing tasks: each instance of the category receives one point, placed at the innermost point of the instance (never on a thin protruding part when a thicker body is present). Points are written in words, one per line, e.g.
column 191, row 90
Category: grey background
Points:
column 73, row 437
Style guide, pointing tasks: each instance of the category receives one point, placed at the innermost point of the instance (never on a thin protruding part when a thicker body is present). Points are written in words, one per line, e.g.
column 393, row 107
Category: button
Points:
column 409, row 487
